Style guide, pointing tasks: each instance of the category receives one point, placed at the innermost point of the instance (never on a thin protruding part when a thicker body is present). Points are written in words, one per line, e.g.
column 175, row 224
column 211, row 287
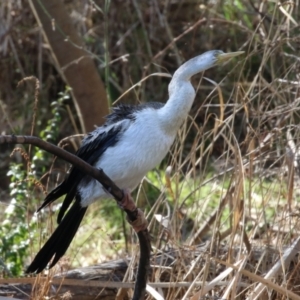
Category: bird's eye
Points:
column 218, row 52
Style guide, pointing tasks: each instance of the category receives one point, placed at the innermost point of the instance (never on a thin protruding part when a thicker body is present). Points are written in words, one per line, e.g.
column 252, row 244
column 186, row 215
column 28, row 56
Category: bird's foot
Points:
column 135, row 216
column 127, row 203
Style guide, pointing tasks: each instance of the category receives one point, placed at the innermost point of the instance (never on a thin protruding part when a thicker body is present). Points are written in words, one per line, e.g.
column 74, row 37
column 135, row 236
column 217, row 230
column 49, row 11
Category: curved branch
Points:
column 135, row 216
column 144, row 265
column 98, row 174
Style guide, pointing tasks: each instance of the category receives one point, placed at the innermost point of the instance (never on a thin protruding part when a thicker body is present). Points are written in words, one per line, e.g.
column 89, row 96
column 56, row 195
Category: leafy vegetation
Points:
column 14, row 233
column 18, row 229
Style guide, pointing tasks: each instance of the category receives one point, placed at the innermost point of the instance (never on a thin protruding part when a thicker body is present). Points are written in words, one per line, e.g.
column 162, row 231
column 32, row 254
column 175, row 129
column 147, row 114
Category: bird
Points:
column 133, row 140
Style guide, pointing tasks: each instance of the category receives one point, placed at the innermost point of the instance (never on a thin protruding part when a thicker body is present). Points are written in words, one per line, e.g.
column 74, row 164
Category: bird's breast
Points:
column 141, row 147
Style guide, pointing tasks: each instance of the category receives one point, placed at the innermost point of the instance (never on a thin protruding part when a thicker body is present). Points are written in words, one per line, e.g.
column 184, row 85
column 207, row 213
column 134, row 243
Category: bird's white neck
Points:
column 175, row 111
column 182, row 93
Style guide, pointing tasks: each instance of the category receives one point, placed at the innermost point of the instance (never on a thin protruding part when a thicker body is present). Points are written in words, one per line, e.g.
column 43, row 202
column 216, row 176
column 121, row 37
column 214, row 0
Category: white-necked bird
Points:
column 133, row 140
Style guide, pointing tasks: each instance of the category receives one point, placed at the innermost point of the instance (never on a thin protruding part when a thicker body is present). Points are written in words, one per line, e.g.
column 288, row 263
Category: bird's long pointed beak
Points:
column 226, row 56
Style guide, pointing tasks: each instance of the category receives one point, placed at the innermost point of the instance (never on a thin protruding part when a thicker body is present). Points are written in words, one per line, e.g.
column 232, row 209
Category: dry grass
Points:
column 234, row 166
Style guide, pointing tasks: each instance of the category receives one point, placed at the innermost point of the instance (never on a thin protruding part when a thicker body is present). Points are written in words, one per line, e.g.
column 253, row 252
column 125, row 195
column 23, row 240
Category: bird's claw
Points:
column 127, row 203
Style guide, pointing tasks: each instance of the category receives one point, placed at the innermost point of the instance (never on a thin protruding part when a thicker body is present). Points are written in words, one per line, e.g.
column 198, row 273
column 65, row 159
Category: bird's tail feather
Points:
column 59, row 191
column 60, row 240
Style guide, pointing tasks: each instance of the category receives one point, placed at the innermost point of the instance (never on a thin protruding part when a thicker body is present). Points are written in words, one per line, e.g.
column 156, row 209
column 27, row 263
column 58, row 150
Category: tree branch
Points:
column 135, row 216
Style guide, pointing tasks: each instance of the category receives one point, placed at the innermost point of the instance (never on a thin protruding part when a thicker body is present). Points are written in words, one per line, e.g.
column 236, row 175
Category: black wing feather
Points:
column 91, row 150
column 127, row 111
column 60, row 240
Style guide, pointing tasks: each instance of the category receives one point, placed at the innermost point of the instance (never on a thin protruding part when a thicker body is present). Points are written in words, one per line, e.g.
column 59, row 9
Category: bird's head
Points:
column 219, row 57
column 203, row 62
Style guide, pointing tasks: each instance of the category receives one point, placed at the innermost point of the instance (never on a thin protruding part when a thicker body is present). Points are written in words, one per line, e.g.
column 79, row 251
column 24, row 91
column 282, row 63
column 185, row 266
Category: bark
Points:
column 73, row 62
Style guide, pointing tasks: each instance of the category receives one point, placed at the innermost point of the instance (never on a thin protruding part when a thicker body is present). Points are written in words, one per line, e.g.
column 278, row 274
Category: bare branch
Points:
column 135, row 216
column 98, row 174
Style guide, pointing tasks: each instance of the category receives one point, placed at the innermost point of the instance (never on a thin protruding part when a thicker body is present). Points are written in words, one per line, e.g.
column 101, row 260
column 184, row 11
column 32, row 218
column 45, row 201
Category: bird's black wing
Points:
column 93, row 146
column 127, row 111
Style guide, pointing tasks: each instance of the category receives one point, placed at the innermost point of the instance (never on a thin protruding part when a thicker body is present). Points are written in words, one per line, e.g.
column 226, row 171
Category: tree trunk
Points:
column 75, row 64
